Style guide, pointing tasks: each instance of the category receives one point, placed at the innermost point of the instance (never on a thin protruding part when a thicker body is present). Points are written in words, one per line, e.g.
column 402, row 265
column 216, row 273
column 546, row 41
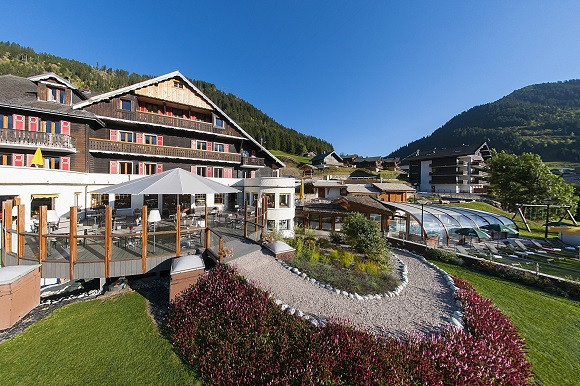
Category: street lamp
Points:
column 548, row 202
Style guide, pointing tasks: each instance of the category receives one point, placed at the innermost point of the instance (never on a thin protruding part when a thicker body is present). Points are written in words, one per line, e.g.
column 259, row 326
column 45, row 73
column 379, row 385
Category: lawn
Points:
column 537, row 230
column 297, row 159
column 96, row 342
column 549, row 324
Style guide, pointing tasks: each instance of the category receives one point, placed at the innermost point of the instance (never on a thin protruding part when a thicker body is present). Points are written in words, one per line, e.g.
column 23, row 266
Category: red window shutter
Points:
column 141, row 168
column 228, row 172
column 64, row 163
column 159, row 168
column 141, row 106
column 65, row 127
column 209, row 146
column 192, row 169
column 32, row 123
column 193, row 143
column 29, row 159
column 140, row 137
column 209, row 171
column 160, row 140
column 18, row 122
column 253, row 174
column 113, row 167
column 18, row 159
column 113, row 135
column 226, row 148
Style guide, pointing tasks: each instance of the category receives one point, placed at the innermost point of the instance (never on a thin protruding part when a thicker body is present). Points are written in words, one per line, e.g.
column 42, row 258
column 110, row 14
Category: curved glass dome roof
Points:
column 442, row 220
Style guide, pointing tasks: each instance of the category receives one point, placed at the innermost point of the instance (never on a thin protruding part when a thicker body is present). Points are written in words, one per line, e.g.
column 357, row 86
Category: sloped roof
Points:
column 21, row 93
column 367, row 159
column 362, row 189
column 328, row 184
column 171, row 75
column 449, row 152
column 368, row 202
column 393, row 187
column 322, row 156
column 362, row 174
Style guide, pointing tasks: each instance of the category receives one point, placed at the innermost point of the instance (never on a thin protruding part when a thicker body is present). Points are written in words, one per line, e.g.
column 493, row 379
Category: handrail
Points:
column 37, row 138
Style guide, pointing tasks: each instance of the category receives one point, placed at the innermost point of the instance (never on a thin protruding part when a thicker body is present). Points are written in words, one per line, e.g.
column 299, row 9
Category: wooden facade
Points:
column 165, row 121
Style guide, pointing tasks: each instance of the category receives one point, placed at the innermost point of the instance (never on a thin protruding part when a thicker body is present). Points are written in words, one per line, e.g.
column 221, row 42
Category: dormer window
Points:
column 56, row 95
column 219, row 122
column 125, row 104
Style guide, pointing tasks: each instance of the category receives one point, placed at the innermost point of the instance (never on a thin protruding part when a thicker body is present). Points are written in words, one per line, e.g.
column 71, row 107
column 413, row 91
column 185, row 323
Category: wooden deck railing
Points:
column 99, row 257
column 252, row 161
column 36, row 138
column 166, row 151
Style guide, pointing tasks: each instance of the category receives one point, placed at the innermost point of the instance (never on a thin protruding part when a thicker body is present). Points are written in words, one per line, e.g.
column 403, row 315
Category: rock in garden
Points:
column 284, row 306
column 299, row 313
column 278, row 301
column 295, row 270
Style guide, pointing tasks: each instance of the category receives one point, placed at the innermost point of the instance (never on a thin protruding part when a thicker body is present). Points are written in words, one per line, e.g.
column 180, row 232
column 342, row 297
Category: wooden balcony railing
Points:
column 157, row 119
column 252, row 161
column 166, row 151
column 37, row 138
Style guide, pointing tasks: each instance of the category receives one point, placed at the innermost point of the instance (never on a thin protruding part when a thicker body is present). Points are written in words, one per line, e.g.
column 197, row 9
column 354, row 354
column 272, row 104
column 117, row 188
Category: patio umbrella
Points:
column 174, row 181
column 37, row 158
column 472, row 232
column 500, row 228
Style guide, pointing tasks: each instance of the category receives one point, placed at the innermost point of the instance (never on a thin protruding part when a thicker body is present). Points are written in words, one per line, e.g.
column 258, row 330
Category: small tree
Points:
column 526, row 179
column 364, row 236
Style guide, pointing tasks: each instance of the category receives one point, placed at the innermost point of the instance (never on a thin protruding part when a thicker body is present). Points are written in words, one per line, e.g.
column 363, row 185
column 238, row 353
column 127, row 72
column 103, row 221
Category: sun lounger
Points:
column 491, row 248
column 461, row 250
column 536, row 244
column 520, row 245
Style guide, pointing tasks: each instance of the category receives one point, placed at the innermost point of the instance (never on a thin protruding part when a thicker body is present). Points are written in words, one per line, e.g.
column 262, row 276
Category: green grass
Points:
column 537, row 230
column 550, row 324
column 293, row 157
column 94, row 343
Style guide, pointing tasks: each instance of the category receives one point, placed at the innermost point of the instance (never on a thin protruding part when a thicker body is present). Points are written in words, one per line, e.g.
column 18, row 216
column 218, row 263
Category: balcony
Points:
column 157, row 119
column 253, row 162
column 21, row 139
column 139, row 149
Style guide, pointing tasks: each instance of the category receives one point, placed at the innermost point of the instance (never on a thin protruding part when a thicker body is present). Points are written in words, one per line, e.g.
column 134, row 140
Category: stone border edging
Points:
column 402, row 269
column 456, row 318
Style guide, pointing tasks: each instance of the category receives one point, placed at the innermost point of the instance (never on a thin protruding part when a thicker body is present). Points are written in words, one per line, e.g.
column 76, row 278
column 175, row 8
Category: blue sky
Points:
column 368, row 76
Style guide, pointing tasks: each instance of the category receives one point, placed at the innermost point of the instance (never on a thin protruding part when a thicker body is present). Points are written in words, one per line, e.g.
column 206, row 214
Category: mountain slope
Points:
column 542, row 118
column 24, row 61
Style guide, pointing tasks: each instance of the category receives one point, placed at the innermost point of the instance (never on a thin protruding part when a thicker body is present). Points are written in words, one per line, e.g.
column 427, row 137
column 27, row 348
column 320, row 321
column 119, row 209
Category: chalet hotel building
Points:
column 89, row 142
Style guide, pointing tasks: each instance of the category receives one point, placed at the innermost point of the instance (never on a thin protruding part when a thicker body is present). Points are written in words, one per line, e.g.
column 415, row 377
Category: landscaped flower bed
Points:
column 232, row 332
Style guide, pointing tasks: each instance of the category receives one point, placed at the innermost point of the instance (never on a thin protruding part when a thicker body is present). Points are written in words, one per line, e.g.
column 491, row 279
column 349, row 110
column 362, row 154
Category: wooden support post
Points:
column 17, row 201
column 256, row 217
column 72, row 240
column 20, row 221
column 221, row 250
column 3, row 257
column 144, row 230
column 7, row 218
column 333, row 223
column 178, row 231
column 108, row 239
column 42, row 230
column 246, row 219
column 206, row 214
column 264, row 215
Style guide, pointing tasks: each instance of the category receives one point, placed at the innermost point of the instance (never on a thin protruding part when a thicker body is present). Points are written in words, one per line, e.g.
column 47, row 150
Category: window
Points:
column 199, row 199
column 149, row 169
column 283, row 224
column 150, row 139
column 284, row 200
column 177, row 113
column 218, row 172
column 271, row 225
column 125, row 136
column 99, row 200
column 177, row 84
column 56, row 95
column 125, row 167
column 125, row 105
column 50, row 127
column 271, row 199
column 201, row 145
column 6, row 159
column 5, row 121
column 122, row 201
column 152, row 108
column 218, row 198
column 201, row 171
column 219, row 122
column 218, row 147
column 52, row 162
column 199, row 117
column 151, row 200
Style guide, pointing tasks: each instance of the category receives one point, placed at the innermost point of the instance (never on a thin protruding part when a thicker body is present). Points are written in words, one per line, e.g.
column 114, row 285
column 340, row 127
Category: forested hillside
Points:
column 23, row 61
column 542, row 118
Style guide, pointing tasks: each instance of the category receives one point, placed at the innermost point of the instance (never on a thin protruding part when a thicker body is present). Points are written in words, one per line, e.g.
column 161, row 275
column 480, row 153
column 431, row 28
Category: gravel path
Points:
column 425, row 305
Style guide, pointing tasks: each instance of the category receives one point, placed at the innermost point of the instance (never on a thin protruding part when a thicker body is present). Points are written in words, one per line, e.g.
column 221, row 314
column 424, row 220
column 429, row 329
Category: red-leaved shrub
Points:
column 231, row 332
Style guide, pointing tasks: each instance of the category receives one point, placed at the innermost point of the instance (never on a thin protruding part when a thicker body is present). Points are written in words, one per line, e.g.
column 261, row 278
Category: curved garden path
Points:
column 424, row 305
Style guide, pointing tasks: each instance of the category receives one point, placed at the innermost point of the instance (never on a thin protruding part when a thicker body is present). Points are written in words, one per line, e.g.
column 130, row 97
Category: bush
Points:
column 336, row 237
column 372, row 268
column 334, row 256
column 359, row 266
column 346, row 259
column 446, row 256
column 322, row 242
column 232, row 333
column 361, row 233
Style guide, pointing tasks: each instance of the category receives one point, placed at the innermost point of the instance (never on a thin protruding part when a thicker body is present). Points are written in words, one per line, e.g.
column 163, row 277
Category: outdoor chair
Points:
column 520, row 245
column 462, row 250
column 491, row 248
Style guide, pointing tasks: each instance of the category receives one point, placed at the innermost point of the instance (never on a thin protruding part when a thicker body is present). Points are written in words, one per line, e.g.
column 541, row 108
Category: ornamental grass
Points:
column 232, row 332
